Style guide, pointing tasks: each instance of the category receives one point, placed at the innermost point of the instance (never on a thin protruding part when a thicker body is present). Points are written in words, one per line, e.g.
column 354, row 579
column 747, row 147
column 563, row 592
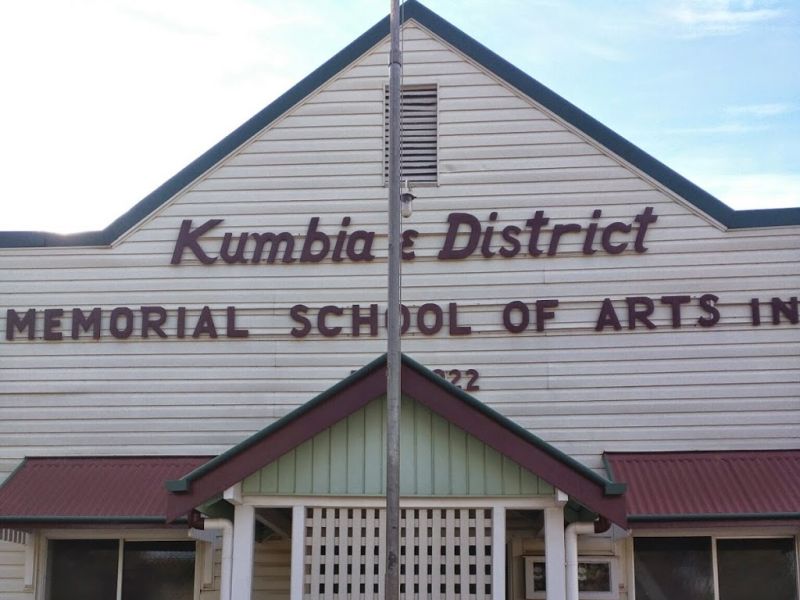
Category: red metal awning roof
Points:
column 91, row 490
column 697, row 487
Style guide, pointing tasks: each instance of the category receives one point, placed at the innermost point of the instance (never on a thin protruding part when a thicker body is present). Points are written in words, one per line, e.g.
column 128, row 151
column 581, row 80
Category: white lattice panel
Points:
column 444, row 553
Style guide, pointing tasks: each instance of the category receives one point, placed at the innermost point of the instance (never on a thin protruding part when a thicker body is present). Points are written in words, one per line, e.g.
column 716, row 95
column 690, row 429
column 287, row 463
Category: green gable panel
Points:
column 437, row 459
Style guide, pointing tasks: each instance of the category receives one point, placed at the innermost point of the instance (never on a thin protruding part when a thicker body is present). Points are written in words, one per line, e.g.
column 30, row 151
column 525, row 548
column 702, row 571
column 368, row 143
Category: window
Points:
column 91, row 569
column 747, row 568
column 418, row 126
column 596, row 577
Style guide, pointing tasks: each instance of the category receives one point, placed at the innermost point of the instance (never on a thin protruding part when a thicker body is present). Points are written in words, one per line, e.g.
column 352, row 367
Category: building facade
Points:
column 601, row 381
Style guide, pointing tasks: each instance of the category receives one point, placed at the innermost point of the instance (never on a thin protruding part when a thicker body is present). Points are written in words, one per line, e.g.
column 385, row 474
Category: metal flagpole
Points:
column 392, row 581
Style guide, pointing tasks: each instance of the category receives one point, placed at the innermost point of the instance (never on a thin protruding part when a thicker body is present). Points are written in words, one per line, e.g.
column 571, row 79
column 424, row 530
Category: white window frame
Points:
column 144, row 535
column 613, row 570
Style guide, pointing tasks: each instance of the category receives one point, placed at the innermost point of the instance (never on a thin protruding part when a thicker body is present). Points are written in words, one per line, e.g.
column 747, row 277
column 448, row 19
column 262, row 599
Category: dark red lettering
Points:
column 52, row 321
column 422, row 324
column 274, row 241
column 455, row 220
column 297, row 313
column 645, row 219
column 364, row 254
column 610, row 230
column 558, row 231
column 149, row 323
column 535, row 224
column 607, row 317
column 524, row 319
column 371, row 320
column 542, row 314
column 230, row 326
column 675, row 303
column 322, row 325
column 113, row 326
column 591, row 231
column 188, row 238
column 787, row 309
column 205, row 324
column 238, row 256
column 14, row 323
column 409, row 235
column 707, row 303
column 510, row 234
column 755, row 311
column 455, row 328
column 635, row 314
column 79, row 321
column 313, row 236
column 486, row 246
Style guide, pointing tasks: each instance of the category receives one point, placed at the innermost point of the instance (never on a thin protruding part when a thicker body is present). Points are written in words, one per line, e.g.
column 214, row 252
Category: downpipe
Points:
column 226, row 527
column 571, row 534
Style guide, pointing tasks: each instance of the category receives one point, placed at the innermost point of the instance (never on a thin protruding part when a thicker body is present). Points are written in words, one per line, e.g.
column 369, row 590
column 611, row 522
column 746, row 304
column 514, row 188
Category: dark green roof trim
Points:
column 610, row 488
column 183, row 484
column 714, row 517
column 477, row 52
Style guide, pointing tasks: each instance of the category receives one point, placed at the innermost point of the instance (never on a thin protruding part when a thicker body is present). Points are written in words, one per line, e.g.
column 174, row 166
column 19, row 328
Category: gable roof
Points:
column 365, row 385
column 412, row 9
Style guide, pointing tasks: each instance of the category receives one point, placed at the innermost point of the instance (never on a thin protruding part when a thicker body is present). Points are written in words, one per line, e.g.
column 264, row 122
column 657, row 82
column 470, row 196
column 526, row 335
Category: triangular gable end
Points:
column 413, row 10
column 433, row 393
column 439, row 459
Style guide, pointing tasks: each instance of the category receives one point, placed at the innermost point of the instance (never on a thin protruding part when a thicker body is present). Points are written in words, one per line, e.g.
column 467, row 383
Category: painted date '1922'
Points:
column 455, row 376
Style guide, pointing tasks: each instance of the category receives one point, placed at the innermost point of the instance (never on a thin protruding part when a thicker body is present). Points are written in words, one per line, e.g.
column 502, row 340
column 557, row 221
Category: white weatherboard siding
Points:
column 731, row 386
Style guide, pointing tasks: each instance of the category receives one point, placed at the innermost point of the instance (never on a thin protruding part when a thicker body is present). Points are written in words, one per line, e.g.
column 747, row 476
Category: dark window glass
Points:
column 158, row 571
column 594, row 576
column 674, row 568
column 82, row 569
column 763, row 569
column 539, row 577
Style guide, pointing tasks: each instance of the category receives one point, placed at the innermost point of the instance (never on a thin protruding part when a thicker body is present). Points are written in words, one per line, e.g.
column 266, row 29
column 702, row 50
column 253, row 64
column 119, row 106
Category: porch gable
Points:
column 448, row 402
column 439, row 459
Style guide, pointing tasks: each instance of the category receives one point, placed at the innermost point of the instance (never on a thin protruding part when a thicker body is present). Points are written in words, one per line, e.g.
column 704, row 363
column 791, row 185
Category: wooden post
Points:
column 298, row 553
column 243, row 541
column 498, row 553
column 554, row 557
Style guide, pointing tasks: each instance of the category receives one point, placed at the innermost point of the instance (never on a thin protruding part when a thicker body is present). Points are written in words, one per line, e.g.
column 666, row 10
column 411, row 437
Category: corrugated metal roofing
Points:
column 91, row 488
column 685, row 486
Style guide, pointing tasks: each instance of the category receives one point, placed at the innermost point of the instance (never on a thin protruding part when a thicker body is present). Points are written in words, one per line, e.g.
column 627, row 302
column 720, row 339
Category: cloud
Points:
column 761, row 111
column 755, row 190
column 701, row 18
column 724, row 128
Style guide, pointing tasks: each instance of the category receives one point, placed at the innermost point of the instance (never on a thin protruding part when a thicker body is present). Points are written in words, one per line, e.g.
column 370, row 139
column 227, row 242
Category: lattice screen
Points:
column 444, row 553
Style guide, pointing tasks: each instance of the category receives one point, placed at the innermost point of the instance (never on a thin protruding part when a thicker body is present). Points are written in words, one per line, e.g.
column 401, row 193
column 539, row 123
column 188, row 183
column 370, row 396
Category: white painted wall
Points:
column 733, row 386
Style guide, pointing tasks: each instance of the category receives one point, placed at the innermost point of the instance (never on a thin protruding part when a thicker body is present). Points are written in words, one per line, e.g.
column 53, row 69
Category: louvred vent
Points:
column 419, row 140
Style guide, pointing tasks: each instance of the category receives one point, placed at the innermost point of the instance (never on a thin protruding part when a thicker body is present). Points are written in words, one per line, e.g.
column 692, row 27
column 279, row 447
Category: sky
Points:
column 104, row 100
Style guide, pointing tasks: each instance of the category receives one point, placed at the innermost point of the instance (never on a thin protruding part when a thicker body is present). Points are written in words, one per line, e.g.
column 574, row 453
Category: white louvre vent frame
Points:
column 419, row 154
column 445, row 553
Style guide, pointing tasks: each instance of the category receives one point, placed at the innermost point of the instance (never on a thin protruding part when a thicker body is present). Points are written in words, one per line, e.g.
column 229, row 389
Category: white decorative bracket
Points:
column 233, row 494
